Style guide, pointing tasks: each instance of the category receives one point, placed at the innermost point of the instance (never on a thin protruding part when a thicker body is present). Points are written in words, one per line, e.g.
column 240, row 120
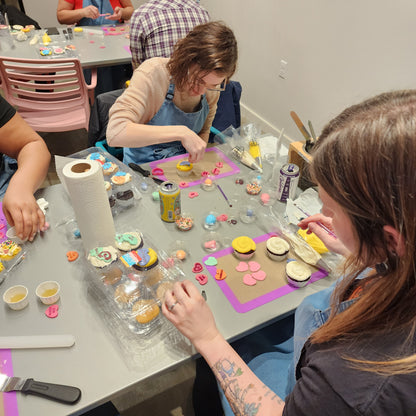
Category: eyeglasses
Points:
column 219, row 87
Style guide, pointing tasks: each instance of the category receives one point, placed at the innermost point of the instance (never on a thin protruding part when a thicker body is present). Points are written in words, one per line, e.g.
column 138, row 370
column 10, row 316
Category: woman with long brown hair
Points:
column 361, row 357
column 169, row 105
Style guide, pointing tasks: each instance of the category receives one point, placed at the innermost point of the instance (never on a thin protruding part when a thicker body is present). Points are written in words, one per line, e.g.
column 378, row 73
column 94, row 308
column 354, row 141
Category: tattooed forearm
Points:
column 228, row 377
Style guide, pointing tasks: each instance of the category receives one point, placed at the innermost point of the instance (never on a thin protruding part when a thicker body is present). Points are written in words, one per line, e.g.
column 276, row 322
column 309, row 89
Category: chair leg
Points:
column 91, row 96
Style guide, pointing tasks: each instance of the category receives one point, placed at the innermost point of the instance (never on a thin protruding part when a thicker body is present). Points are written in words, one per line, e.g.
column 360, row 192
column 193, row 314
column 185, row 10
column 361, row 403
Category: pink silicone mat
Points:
column 244, row 298
column 8, row 401
column 231, row 167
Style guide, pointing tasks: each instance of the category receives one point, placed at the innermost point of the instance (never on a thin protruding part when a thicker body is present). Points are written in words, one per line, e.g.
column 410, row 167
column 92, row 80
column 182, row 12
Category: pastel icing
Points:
column 243, row 244
column 8, row 249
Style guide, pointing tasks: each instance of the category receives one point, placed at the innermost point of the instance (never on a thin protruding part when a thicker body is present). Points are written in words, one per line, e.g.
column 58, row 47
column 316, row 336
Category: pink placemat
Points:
column 232, row 168
column 8, row 401
column 254, row 296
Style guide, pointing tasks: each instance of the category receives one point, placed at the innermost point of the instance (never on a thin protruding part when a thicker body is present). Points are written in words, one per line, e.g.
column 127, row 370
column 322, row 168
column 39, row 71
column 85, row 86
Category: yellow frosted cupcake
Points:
column 184, row 168
column 244, row 247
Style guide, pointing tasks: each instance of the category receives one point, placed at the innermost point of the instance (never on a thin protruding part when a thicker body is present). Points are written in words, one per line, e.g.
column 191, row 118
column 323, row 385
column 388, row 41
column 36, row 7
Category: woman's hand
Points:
column 117, row 15
column 332, row 243
column 190, row 313
column 22, row 211
column 91, row 12
column 193, row 144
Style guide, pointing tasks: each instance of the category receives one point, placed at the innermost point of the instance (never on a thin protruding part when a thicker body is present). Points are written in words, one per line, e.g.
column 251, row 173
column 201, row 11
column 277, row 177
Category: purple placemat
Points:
column 234, row 168
column 9, row 399
column 3, row 224
column 261, row 300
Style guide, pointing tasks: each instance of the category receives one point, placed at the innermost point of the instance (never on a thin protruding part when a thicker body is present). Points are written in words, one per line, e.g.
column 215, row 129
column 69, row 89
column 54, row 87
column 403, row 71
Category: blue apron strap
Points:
column 170, row 93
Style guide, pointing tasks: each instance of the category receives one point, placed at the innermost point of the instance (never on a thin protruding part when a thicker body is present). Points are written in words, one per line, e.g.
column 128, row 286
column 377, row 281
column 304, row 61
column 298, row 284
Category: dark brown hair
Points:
column 365, row 160
column 211, row 47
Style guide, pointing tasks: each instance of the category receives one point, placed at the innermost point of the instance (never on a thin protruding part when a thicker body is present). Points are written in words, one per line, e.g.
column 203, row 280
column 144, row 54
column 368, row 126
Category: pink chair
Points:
column 50, row 94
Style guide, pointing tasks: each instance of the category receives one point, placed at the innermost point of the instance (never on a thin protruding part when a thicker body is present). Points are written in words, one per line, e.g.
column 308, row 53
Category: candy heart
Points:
column 52, row 311
column 211, row 261
column 248, row 280
column 193, row 194
column 219, row 165
column 72, row 255
column 215, row 171
column 254, row 266
column 204, row 173
column 210, row 245
column 242, row 266
column 260, row 275
column 198, row 267
column 183, row 184
column 222, row 217
column 220, row 274
column 202, row 279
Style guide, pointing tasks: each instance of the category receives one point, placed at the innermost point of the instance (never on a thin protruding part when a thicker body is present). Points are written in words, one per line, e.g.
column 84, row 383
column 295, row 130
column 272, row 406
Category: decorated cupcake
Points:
column 277, row 248
column 184, row 168
column 129, row 241
column 109, row 168
column 125, row 198
column 96, row 156
column 121, row 181
column 244, row 247
column 148, row 259
column 298, row 274
column 102, row 256
column 8, row 250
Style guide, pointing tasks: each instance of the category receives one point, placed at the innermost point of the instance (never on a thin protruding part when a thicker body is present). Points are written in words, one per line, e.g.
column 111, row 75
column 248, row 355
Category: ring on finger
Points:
column 172, row 306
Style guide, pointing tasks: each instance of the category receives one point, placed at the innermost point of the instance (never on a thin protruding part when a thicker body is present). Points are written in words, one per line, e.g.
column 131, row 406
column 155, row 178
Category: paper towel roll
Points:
column 85, row 183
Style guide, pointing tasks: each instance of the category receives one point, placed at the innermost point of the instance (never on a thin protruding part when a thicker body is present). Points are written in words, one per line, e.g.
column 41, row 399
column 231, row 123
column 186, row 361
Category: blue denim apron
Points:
column 103, row 6
column 168, row 115
column 7, row 170
column 271, row 367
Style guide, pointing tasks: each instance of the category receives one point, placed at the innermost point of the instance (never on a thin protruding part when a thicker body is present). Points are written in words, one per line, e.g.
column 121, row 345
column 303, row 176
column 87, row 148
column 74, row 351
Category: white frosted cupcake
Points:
column 96, row 156
column 277, row 248
column 298, row 274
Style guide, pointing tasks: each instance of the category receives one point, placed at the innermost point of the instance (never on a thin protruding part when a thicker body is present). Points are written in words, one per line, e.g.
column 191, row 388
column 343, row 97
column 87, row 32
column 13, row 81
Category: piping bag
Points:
column 245, row 158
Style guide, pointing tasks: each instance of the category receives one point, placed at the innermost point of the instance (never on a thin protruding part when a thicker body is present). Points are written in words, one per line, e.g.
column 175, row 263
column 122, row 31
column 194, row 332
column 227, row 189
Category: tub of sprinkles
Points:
column 184, row 222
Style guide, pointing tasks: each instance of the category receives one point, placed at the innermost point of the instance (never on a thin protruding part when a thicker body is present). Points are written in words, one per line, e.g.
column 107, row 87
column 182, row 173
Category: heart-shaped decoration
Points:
column 52, row 311
column 242, row 266
column 72, row 255
column 193, row 194
column 220, row 274
column 202, row 278
column 198, row 267
column 254, row 266
column 215, row 171
column 210, row 245
column 211, row 261
column 219, row 165
column 183, row 185
column 248, row 280
column 260, row 275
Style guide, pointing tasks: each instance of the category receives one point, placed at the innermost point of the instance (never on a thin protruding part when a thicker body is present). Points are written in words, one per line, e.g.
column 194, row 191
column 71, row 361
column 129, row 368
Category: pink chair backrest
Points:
column 54, row 85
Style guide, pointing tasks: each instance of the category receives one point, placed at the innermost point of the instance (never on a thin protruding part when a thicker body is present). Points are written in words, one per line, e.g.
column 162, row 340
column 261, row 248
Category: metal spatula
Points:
column 57, row 392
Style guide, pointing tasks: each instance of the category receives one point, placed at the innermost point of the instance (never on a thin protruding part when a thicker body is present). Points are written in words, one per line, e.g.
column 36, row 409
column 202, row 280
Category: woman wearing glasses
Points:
column 170, row 103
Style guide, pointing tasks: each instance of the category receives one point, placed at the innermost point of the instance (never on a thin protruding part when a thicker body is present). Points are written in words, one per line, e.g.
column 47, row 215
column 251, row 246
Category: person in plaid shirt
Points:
column 158, row 24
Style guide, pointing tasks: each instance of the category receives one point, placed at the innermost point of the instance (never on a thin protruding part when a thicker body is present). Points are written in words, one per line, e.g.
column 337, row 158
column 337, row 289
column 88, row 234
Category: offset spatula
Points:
column 57, row 392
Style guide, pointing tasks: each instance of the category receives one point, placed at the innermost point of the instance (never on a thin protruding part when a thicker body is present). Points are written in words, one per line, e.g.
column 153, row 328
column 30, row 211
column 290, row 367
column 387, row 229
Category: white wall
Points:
column 338, row 52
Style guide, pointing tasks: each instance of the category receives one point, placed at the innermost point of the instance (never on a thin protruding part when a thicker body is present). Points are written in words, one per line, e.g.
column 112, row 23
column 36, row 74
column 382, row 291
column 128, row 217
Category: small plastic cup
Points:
column 16, row 297
column 11, row 235
column 48, row 292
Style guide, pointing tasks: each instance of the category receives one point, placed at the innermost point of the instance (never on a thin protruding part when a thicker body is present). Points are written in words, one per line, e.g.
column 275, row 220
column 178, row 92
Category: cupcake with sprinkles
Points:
column 184, row 222
column 184, row 168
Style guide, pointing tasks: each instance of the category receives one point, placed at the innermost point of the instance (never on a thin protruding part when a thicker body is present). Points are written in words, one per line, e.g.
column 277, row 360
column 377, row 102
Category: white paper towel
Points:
column 85, row 184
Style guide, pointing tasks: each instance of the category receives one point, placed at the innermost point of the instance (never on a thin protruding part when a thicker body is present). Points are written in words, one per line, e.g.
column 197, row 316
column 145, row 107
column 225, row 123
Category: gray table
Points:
column 95, row 363
column 93, row 49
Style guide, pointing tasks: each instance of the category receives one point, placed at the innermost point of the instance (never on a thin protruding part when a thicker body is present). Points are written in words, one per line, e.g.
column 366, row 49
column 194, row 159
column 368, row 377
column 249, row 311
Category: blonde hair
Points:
column 211, row 47
column 365, row 160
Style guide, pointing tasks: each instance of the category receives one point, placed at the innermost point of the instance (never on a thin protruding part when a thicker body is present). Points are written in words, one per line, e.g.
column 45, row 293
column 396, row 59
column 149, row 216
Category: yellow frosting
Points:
column 184, row 166
column 243, row 244
column 78, row 29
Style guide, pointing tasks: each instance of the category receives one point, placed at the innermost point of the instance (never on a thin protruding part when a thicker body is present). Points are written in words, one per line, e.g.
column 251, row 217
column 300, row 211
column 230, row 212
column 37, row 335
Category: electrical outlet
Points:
column 283, row 69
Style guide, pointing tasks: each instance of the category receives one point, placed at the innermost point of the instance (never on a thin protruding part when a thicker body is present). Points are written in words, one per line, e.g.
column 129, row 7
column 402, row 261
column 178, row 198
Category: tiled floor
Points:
column 169, row 394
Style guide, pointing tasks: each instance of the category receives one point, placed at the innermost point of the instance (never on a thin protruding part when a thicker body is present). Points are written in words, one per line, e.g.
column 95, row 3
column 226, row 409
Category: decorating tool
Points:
column 312, row 130
column 225, row 196
column 303, row 130
column 318, row 223
column 245, row 158
column 254, row 150
column 145, row 173
column 57, row 392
